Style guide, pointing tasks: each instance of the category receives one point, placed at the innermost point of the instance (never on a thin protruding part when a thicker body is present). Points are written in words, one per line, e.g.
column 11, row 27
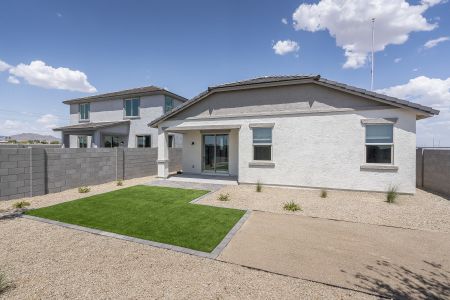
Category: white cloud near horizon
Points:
column 49, row 121
column 13, row 80
column 37, row 73
column 284, row 21
column 285, row 47
column 435, row 42
column 349, row 22
column 42, row 125
column 432, row 92
column 4, row 66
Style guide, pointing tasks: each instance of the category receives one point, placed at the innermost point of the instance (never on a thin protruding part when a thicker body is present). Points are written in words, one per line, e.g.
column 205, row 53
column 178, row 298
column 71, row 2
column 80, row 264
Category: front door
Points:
column 215, row 153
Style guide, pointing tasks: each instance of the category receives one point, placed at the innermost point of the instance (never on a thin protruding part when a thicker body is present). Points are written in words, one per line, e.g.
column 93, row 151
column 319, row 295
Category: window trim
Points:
column 262, row 144
column 379, row 144
column 79, row 112
column 143, row 135
column 173, row 141
column 83, row 137
column 125, row 110
column 165, row 104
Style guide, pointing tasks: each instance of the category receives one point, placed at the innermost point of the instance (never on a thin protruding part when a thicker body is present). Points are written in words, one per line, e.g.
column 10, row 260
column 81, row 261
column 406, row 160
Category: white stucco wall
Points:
column 316, row 150
column 151, row 108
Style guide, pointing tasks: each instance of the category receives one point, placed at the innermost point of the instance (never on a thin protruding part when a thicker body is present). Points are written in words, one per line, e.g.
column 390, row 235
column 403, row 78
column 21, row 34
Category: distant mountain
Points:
column 23, row 137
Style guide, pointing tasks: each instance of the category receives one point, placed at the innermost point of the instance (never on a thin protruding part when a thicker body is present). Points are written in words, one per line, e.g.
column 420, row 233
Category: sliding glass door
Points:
column 215, row 153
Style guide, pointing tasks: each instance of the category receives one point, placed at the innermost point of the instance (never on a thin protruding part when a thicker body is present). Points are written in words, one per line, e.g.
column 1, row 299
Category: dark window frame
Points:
column 132, row 101
column 145, row 137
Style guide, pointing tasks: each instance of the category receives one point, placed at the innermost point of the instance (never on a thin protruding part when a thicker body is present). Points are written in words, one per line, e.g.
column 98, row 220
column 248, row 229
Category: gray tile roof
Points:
column 90, row 126
column 298, row 79
column 142, row 91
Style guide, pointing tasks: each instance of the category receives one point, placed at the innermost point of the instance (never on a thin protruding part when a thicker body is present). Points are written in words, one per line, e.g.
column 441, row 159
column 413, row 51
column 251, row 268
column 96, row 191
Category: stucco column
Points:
column 163, row 154
column 96, row 143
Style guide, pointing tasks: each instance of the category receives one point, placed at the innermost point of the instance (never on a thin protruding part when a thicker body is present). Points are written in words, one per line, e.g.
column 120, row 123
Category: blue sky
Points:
column 186, row 46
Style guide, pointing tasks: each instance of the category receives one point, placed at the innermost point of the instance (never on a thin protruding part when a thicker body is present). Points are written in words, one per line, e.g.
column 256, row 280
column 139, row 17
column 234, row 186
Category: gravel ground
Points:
column 72, row 194
column 423, row 210
column 45, row 261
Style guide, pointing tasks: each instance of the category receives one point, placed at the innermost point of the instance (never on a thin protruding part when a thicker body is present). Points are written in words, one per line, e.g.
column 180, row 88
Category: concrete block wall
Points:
column 419, row 167
column 436, row 170
column 38, row 171
column 22, row 173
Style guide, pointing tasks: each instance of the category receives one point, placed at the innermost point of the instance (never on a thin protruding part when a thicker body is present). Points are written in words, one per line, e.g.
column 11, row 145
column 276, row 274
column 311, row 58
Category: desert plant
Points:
column 21, row 204
column 119, row 182
column 258, row 186
column 323, row 193
column 224, row 197
column 84, row 189
column 291, row 206
column 3, row 283
column 392, row 194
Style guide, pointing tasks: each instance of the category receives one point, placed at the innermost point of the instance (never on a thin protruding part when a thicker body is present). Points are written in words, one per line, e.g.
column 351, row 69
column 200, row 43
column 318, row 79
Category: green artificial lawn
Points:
column 153, row 213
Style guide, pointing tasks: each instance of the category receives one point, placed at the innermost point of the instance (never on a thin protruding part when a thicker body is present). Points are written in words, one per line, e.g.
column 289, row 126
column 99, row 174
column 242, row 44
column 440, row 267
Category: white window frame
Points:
column 125, row 108
column 166, row 99
column 262, row 126
column 379, row 144
column 143, row 135
column 88, row 114
column 84, row 137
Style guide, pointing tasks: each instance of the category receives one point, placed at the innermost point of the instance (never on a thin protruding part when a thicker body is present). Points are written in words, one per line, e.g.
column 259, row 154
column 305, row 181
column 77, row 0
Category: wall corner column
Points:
column 163, row 153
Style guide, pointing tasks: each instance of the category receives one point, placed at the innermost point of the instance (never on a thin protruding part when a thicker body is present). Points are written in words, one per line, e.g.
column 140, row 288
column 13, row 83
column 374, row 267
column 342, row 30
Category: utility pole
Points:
column 373, row 41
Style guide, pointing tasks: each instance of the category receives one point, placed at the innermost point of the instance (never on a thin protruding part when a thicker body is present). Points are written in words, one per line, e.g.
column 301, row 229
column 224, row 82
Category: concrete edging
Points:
column 212, row 255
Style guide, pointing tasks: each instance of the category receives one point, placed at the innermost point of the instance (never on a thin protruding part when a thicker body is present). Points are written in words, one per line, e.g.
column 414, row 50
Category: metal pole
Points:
column 373, row 41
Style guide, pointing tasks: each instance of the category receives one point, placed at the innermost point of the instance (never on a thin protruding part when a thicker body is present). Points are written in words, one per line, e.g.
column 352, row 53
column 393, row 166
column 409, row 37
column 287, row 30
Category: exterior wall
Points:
column 434, row 167
column 112, row 110
column 192, row 153
column 33, row 171
column 323, row 150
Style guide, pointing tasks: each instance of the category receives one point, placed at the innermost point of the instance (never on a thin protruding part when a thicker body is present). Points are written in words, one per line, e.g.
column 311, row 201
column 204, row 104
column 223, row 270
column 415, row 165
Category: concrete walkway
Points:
column 399, row 263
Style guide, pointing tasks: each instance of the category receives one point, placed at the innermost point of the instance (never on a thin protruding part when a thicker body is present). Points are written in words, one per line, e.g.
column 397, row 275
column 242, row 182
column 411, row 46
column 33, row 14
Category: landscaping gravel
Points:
column 45, row 261
column 423, row 210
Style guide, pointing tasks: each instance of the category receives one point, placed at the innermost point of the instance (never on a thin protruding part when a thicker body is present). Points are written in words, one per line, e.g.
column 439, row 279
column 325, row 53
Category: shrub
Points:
column 392, row 194
column 224, row 197
column 84, row 189
column 3, row 283
column 259, row 187
column 119, row 182
column 291, row 206
column 323, row 194
column 21, row 204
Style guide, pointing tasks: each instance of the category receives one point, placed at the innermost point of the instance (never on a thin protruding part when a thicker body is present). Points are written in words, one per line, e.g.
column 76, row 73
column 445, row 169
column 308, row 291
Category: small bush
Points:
column 119, row 182
column 291, row 206
column 21, row 204
column 323, row 194
column 3, row 283
column 392, row 194
column 224, row 197
column 84, row 189
column 259, row 187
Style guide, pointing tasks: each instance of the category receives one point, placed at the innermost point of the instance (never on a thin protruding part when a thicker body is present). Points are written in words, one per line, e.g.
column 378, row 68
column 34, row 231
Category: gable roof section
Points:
column 270, row 81
column 91, row 126
column 142, row 91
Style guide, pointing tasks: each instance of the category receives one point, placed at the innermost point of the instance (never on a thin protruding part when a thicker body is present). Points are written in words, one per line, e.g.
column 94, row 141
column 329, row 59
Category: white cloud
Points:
column 4, row 66
column 284, row 21
column 397, row 60
column 432, row 92
column 349, row 22
column 285, row 47
column 435, row 42
column 39, row 74
column 48, row 121
column 13, row 80
column 59, row 15
column 415, row 69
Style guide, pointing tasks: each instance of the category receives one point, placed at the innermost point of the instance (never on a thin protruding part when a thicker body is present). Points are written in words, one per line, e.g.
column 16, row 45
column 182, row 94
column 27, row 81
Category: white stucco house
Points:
column 119, row 119
column 303, row 131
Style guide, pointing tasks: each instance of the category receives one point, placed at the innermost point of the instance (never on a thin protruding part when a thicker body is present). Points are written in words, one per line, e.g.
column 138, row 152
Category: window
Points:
column 379, row 144
column 171, row 140
column 110, row 141
column 168, row 104
column 131, row 107
column 143, row 141
column 262, row 143
column 84, row 109
column 82, row 141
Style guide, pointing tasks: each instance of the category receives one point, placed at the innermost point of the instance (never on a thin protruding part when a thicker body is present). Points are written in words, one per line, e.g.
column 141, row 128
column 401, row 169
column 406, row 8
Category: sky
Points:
column 52, row 51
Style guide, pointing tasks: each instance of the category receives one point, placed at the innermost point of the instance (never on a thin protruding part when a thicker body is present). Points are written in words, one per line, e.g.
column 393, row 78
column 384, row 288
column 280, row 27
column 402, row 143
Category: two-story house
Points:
column 119, row 119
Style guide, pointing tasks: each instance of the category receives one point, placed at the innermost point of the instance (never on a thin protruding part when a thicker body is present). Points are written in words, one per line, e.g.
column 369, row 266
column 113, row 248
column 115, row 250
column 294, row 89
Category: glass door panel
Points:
column 222, row 153
column 208, row 153
column 215, row 153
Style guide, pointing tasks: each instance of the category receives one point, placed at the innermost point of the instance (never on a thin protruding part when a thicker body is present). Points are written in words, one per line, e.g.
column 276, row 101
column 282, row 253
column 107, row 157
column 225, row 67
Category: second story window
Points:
column 84, row 109
column 131, row 107
column 168, row 104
